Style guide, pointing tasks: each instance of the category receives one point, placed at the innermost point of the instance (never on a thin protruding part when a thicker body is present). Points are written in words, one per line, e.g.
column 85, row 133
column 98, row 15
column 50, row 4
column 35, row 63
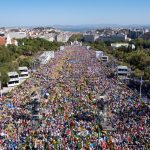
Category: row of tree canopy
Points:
column 11, row 57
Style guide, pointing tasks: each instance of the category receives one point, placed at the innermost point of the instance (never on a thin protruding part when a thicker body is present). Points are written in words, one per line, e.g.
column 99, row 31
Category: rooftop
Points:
column 12, row 73
column 23, row 68
column 122, row 67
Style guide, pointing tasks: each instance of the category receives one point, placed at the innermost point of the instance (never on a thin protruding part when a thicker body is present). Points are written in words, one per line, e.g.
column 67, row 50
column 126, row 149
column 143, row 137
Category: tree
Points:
column 25, row 62
column 4, row 78
column 74, row 37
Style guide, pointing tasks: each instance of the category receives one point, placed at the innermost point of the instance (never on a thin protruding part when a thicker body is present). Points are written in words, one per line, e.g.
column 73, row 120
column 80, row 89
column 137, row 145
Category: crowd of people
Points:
column 74, row 103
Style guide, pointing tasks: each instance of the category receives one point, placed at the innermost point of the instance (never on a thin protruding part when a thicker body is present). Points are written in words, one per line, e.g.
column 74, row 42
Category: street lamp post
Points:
column 141, row 88
column 0, row 86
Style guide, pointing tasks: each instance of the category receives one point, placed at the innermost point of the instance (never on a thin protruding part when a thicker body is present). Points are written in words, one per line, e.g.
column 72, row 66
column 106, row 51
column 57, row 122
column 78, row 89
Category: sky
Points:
column 73, row 12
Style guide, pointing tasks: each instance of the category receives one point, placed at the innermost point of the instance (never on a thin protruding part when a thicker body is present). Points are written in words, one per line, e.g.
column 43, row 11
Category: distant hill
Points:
column 83, row 28
column 86, row 27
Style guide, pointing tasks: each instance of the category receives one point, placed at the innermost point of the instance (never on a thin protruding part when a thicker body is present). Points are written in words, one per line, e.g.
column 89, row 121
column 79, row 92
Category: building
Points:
column 114, row 37
column 146, row 30
column 104, row 58
column 62, row 37
column 99, row 54
column 17, row 35
column 12, row 36
column 126, row 45
column 24, row 74
column 122, row 72
column 133, row 34
column 76, row 43
column 62, row 47
column 146, row 36
column 119, row 37
column 45, row 57
column 88, row 47
column 90, row 37
column 2, row 40
column 117, row 45
column 49, row 37
column 13, row 79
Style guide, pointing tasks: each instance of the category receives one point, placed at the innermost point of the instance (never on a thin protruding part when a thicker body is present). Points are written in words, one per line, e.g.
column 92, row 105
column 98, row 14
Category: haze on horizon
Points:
column 73, row 12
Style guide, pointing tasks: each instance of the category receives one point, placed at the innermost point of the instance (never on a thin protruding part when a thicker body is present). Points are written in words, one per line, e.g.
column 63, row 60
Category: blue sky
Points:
column 73, row 12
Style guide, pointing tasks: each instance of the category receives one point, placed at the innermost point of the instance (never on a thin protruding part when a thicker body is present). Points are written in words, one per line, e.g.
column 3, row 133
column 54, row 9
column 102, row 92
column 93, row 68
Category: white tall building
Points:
column 24, row 74
column 123, row 72
column 13, row 79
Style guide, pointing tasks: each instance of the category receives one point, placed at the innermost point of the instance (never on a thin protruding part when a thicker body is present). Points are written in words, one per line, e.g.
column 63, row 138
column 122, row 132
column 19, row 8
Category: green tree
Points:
column 4, row 78
column 74, row 37
column 25, row 62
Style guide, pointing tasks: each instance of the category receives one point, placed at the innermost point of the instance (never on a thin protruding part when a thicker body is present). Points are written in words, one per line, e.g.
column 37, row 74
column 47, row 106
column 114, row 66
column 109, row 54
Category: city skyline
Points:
column 67, row 12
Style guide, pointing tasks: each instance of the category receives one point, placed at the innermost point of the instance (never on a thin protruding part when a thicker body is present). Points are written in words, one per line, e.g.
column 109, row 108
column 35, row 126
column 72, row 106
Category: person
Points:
column 69, row 115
